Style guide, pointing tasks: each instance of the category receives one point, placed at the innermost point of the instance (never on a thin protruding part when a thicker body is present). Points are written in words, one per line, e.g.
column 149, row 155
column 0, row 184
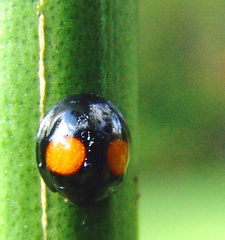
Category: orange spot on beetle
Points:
column 117, row 156
column 65, row 157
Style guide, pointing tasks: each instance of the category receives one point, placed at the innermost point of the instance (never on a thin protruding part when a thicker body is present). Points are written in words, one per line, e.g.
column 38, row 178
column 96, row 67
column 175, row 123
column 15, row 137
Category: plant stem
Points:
column 89, row 46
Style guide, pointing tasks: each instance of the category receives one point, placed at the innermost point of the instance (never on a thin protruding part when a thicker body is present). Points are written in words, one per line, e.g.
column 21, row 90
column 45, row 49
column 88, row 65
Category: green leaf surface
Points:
column 90, row 46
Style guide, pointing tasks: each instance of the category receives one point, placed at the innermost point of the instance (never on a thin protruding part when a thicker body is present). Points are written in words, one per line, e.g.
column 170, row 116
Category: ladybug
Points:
column 83, row 148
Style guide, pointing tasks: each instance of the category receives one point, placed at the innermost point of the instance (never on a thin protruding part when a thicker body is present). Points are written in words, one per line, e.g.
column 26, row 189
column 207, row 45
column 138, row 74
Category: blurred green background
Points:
column 182, row 120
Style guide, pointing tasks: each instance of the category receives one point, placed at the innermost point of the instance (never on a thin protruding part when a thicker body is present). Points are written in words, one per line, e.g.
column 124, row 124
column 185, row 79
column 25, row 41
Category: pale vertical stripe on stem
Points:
column 42, row 84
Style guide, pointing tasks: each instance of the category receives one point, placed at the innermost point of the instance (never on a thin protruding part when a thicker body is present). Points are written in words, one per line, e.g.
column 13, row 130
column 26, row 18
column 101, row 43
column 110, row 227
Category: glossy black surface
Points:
column 96, row 122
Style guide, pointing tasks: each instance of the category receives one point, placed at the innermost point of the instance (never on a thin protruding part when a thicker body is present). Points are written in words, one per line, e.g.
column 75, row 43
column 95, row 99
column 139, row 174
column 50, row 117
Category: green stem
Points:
column 19, row 185
column 90, row 46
